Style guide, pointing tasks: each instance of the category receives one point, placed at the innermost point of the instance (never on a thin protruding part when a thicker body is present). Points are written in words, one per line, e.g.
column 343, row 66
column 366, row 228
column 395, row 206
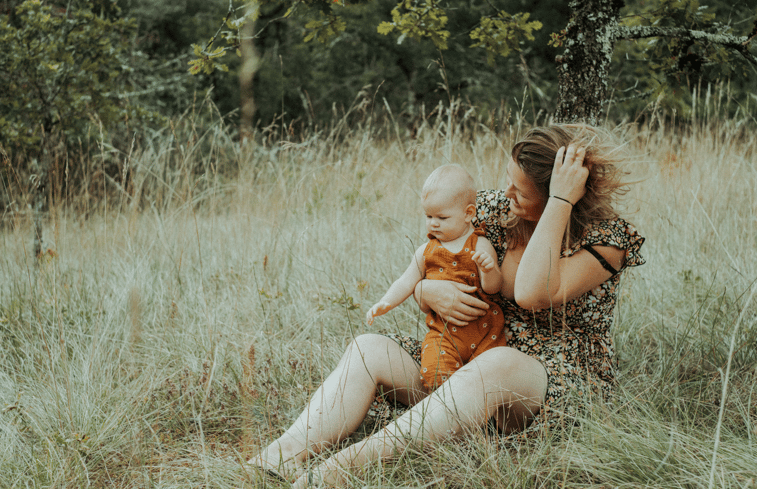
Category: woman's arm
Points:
column 450, row 300
column 543, row 278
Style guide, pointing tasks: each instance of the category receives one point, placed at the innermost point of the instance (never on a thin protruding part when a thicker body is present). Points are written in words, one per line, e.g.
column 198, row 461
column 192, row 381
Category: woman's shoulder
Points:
column 615, row 232
column 492, row 206
column 492, row 215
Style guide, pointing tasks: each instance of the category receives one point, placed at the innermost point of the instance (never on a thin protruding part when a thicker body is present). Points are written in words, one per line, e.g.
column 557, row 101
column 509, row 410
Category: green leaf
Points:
column 504, row 33
column 419, row 20
column 325, row 28
column 385, row 28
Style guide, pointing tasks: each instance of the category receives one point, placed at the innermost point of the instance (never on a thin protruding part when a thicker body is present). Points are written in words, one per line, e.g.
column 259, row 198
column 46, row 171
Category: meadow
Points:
column 172, row 328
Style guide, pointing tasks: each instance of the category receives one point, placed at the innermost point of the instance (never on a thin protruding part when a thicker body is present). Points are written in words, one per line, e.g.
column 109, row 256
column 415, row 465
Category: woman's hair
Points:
column 535, row 155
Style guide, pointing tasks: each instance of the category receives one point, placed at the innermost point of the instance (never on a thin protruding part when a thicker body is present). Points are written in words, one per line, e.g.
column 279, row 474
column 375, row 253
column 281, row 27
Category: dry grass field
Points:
column 168, row 334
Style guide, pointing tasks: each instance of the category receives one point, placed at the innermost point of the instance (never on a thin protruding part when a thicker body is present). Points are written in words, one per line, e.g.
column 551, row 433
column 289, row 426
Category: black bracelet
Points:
column 564, row 200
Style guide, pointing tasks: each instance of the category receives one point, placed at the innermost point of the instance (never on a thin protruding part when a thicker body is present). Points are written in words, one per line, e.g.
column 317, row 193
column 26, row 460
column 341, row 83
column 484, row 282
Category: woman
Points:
column 562, row 247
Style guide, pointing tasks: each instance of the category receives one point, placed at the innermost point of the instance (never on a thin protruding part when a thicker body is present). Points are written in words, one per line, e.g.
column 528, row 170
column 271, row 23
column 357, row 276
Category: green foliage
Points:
column 324, row 28
column 556, row 39
column 206, row 62
column 419, row 20
column 167, row 31
column 62, row 72
column 305, row 81
column 504, row 33
column 666, row 70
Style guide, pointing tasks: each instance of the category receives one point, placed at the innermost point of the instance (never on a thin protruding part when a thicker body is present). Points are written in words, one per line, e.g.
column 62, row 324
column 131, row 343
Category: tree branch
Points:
column 738, row 44
column 752, row 34
column 225, row 19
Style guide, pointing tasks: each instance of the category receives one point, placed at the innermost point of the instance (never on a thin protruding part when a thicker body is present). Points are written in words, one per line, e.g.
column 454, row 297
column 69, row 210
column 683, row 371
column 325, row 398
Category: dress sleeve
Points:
column 492, row 215
column 492, row 208
column 619, row 233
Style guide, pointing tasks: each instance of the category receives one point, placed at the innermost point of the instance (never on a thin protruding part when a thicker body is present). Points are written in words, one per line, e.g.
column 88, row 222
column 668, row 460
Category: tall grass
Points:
column 167, row 335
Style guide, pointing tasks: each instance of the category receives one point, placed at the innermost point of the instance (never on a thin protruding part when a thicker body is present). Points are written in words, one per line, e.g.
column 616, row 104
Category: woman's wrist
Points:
column 561, row 199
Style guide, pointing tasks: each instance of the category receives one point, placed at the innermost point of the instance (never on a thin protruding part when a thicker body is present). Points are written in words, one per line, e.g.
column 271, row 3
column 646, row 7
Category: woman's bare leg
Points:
column 339, row 406
column 501, row 382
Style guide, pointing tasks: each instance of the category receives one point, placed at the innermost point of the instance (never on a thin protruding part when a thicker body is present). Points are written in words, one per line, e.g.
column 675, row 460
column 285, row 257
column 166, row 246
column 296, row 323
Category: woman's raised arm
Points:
column 544, row 278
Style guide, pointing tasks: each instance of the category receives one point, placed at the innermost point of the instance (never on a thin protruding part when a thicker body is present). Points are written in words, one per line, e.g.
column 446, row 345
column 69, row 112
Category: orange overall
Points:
column 446, row 348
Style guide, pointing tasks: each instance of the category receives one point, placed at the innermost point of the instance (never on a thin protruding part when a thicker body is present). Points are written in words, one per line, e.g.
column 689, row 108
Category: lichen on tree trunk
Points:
column 583, row 68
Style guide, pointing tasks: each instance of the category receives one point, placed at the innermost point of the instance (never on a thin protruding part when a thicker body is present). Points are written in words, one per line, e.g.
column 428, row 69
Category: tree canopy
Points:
column 60, row 71
column 82, row 81
column 653, row 46
column 75, row 69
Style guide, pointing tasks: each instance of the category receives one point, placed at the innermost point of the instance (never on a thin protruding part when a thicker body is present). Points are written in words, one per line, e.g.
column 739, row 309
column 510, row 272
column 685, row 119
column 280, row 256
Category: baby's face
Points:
column 446, row 219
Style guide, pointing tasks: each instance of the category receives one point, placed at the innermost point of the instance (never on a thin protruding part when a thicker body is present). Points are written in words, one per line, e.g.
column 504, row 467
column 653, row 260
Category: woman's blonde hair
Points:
column 535, row 155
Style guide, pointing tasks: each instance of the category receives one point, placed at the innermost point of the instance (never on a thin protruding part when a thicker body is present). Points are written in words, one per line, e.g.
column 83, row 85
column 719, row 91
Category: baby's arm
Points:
column 486, row 259
column 401, row 289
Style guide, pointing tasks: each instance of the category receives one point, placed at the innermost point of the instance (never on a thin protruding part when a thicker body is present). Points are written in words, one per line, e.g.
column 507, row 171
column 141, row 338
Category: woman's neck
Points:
column 520, row 233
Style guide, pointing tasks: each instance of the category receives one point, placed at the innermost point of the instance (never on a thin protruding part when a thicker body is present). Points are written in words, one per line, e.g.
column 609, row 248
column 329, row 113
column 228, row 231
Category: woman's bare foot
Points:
column 334, row 472
column 273, row 462
column 325, row 475
column 257, row 473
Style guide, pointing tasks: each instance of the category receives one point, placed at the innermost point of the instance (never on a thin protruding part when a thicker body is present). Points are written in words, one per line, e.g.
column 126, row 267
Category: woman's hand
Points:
column 569, row 174
column 450, row 300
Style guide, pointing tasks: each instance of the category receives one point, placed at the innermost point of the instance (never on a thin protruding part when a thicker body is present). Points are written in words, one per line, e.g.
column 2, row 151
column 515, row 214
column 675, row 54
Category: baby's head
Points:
column 449, row 202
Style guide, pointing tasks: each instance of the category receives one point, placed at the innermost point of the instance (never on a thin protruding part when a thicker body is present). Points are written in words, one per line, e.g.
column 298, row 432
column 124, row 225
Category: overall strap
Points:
column 472, row 241
column 473, row 238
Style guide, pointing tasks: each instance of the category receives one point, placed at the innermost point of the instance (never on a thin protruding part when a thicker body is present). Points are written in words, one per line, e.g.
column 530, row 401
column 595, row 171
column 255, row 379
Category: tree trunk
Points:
column 583, row 68
column 39, row 199
column 250, row 64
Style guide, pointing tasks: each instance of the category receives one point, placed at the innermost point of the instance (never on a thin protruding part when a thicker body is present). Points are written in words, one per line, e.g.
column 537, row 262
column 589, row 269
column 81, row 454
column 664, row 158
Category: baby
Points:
column 458, row 252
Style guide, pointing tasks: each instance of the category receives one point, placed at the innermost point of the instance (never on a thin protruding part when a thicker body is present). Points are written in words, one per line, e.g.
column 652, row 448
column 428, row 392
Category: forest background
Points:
column 83, row 73
column 193, row 285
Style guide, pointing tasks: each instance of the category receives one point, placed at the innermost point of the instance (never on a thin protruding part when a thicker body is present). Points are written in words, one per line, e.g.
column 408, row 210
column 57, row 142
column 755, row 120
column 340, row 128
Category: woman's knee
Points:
column 368, row 346
column 513, row 369
column 388, row 363
column 500, row 359
column 372, row 351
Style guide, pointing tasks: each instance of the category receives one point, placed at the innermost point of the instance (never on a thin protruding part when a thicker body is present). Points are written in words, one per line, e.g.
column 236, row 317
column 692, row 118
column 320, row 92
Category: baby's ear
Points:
column 470, row 212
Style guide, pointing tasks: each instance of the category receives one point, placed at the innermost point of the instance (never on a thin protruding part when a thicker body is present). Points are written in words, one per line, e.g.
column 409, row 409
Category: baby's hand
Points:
column 484, row 261
column 378, row 309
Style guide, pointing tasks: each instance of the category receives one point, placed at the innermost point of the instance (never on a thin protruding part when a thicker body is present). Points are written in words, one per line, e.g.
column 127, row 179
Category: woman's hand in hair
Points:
column 569, row 175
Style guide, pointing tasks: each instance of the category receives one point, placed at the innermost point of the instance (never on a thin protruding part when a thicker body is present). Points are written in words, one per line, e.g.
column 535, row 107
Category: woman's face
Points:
column 525, row 200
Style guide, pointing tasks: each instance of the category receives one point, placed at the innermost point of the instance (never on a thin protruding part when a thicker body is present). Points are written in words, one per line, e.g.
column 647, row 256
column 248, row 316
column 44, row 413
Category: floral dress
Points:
column 573, row 341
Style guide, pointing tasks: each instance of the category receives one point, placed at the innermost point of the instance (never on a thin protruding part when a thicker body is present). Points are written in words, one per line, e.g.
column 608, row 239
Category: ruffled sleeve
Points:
column 492, row 215
column 492, row 208
column 619, row 233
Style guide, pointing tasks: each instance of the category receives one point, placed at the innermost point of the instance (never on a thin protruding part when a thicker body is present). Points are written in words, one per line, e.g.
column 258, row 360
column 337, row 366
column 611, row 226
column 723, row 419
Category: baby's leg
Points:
column 493, row 338
column 440, row 358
